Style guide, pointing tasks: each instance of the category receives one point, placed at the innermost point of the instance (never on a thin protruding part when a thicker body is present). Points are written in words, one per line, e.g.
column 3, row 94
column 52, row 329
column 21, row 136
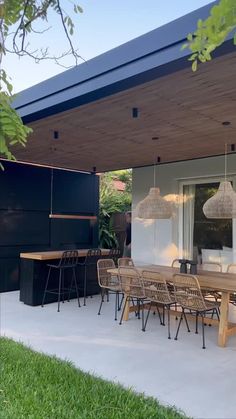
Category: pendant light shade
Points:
column 222, row 204
column 153, row 206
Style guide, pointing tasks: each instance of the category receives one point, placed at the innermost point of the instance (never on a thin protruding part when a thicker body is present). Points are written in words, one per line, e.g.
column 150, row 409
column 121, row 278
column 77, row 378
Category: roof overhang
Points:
column 91, row 105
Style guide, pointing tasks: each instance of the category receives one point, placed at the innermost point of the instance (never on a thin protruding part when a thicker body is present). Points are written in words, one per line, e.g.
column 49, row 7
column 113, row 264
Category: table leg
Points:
column 223, row 326
column 126, row 313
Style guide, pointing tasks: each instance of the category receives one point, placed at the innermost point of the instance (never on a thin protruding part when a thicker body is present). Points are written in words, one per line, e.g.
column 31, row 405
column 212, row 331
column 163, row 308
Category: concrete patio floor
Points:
column 200, row 382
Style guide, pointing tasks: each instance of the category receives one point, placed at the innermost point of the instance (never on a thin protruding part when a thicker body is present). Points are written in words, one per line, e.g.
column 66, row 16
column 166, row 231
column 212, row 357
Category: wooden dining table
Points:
column 224, row 283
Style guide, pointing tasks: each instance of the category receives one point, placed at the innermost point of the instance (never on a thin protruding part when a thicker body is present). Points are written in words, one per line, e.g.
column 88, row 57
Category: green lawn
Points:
column 35, row 386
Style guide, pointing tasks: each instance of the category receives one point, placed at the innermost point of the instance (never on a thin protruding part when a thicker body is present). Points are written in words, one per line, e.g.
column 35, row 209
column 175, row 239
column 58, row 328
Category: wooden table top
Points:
column 56, row 254
column 222, row 282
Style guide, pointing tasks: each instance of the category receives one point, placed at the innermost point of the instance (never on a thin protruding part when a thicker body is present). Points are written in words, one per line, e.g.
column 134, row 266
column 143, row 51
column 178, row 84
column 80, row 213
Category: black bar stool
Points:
column 114, row 254
column 69, row 260
column 90, row 262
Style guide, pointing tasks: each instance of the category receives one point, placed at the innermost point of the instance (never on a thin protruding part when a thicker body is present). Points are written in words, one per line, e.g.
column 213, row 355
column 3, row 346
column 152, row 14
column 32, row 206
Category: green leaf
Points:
column 194, row 66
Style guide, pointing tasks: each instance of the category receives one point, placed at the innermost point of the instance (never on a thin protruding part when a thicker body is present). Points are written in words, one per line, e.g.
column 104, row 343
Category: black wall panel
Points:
column 24, row 228
column 25, row 204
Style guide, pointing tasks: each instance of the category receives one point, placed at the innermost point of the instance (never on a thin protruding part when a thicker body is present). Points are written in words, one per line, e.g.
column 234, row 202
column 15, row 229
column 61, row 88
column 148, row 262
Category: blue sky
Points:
column 104, row 25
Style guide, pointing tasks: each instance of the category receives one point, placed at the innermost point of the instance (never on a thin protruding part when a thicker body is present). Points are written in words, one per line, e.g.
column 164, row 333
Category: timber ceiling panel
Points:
column 184, row 110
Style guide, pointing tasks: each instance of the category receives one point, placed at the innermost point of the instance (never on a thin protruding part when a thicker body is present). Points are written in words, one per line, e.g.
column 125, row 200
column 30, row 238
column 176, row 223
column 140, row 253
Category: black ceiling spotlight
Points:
column 135, row 112
column 155, row 138
column 232, row 146
column 225, row 123
column 158, row 159
column 94, row 171
column 55, row 135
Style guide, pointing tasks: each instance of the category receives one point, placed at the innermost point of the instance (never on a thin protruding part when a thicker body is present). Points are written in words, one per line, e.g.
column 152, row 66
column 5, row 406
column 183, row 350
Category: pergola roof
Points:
column 180, row 113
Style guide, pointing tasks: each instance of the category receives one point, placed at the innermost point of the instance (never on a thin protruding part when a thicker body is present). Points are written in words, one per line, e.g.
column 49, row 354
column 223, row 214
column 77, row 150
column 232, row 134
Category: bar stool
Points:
column 69, row 260
column 90, row 261
column 115, row 255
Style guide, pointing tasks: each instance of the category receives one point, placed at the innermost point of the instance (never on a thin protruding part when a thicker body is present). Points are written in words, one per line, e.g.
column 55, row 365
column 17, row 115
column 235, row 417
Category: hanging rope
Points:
column 226, row 161
column 51, row 191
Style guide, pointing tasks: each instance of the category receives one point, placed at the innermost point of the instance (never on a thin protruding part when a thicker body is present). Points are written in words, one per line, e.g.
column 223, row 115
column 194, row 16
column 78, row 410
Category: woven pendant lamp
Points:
column 154, row 206
column 223, row 203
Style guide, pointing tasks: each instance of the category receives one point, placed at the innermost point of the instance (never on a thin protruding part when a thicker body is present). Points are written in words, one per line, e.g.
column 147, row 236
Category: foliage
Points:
column 34, row 385
column 212, row 32
column 17, row 19
column 112, row 201
column 12, row 130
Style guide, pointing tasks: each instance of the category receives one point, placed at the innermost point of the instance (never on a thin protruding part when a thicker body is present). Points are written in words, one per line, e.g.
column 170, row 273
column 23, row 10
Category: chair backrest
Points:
column 92, row 256
column 125, row 262
column 231, row 269
column 131, row 282
column 114, row 254
column 212, row 266
column 69, row 258
column 106, row 279
column 187, row 292
column 155, row 287
column 175, row 263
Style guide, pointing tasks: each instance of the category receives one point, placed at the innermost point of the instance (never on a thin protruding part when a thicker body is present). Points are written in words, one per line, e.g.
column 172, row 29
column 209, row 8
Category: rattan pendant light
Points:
column 223, row 203
column 154, row 206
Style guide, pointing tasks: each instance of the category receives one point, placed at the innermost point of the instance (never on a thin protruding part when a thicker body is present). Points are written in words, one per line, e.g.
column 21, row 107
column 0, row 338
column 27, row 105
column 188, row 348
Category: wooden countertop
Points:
column 56, row 254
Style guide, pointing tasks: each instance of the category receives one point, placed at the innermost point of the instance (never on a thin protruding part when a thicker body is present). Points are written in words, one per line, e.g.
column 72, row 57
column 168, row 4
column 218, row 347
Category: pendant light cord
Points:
column 154, row 174
column 226, row 161
column 51, row 191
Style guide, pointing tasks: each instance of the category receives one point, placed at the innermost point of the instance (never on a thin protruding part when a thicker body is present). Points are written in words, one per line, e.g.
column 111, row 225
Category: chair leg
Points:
column 203, row 331
column 76, row 286
column 62, row 285
column 85, row 285
column 186, row 321
column 196, row 330
column 159, row 314
column 177, row 331
column 120, row 303
column 102, row 300
column 142, row 314
column 46, row 286
column 138, row 303
column 163, row 311
column 123, row 311
column 145, row 324
column 108, row 296
column 59, row 290
column 116, row 305
column 168, row 318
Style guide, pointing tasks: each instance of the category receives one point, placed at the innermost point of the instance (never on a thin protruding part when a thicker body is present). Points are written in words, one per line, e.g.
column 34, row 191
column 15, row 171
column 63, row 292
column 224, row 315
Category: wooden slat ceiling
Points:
column 184, row 110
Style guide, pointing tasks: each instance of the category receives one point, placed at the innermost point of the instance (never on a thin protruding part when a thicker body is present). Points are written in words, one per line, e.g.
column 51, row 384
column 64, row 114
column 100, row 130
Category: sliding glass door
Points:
column 203, row 239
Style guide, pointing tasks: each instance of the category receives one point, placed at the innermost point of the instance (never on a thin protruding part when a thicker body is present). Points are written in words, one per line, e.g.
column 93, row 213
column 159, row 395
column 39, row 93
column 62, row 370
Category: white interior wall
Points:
column 158, row 241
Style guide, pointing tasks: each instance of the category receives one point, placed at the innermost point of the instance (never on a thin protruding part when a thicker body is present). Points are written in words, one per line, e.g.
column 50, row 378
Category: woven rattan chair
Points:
column 189, row 296
column 125, row 262
column 212, row 267
column 175, row 263
column 231, row 269
column 132, row 287
column 108, row 282
column 157, row 292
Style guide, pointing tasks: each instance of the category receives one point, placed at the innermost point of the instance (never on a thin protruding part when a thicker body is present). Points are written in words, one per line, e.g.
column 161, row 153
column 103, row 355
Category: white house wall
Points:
column 158, row 241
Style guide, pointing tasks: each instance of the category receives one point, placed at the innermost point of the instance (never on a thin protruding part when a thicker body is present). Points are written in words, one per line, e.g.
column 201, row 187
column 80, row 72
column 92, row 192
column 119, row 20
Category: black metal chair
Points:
column 69, row 260
column 114, row 254
column 90, row 262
